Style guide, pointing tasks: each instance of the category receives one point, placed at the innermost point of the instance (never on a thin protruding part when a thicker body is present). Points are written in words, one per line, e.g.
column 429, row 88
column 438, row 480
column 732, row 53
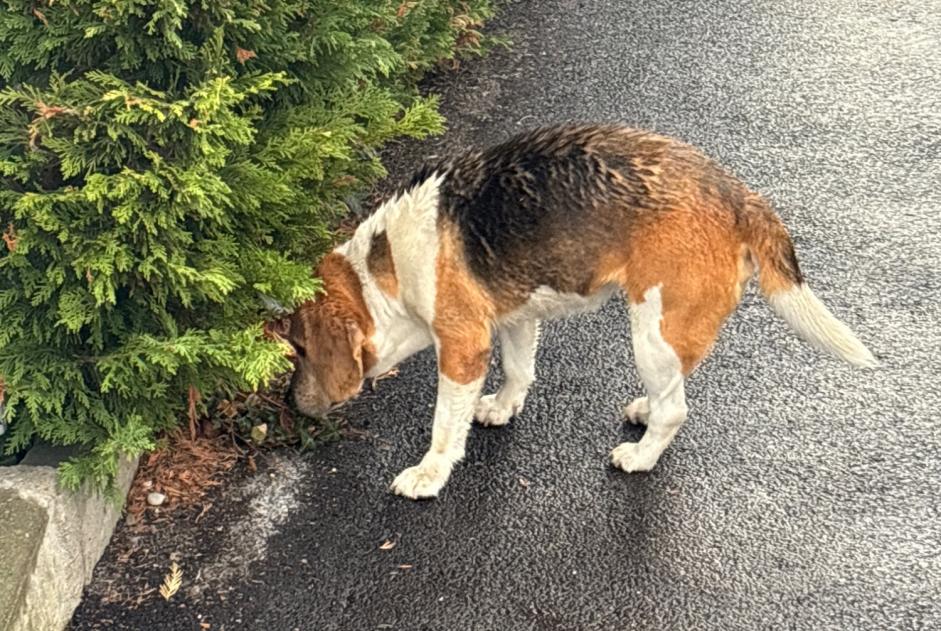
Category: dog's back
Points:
column 563, row 207
column 554, row 217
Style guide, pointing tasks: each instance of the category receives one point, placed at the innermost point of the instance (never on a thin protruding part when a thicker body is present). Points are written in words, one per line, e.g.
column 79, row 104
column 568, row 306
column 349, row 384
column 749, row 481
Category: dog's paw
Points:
column 490, row 412
column 631, row 457
column 638, row 411
column 421, row 481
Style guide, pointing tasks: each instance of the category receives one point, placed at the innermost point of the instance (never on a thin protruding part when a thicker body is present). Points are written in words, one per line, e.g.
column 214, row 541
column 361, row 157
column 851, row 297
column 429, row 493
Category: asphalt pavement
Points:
column 801, row 493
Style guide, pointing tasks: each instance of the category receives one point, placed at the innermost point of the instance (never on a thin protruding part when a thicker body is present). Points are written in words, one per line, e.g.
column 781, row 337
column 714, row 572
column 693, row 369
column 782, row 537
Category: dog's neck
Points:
column 397, row 332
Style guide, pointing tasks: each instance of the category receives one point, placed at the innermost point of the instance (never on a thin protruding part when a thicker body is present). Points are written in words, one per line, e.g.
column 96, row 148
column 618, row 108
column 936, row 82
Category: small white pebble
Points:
column 156, row 499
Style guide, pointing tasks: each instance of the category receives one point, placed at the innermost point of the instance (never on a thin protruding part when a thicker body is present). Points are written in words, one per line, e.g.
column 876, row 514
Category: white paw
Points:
column 421, row 481
column 632, row 457
column 492, row 413
column 638, row 411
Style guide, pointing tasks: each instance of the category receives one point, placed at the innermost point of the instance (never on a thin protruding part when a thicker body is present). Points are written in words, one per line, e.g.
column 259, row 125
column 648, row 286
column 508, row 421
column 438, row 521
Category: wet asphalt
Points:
column 801, row 493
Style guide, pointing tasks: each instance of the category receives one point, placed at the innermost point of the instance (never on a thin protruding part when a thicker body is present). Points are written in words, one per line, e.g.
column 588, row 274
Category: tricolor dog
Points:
column 551, row 223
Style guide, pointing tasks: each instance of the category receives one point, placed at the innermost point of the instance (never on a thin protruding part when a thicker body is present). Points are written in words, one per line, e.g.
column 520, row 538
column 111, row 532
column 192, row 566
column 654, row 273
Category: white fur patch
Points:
column 638, row 411
column 401, row 323
column 546, row 303
column 656, row 360
column 412, row 229
column 491, row 411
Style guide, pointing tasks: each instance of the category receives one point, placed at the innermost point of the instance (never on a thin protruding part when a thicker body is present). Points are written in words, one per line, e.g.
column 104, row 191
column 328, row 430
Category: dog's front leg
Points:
column 519, row 368
column 461, row 374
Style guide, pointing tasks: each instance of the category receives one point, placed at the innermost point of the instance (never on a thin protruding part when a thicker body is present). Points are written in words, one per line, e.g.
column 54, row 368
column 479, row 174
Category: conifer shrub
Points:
column 165, row 167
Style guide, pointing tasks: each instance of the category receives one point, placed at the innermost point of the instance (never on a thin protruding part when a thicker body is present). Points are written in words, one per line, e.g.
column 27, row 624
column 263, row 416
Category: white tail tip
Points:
column 811, row 319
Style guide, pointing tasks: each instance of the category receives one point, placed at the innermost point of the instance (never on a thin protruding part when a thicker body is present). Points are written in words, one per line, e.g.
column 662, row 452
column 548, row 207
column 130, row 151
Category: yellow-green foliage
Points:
column 163, row 165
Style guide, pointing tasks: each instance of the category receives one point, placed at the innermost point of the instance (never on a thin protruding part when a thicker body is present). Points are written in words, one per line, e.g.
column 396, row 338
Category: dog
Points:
column 550, row 223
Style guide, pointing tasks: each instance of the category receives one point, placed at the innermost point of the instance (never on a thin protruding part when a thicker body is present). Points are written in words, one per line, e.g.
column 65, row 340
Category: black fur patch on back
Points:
column 421, row 174
column 543, row 208
column 540, row 208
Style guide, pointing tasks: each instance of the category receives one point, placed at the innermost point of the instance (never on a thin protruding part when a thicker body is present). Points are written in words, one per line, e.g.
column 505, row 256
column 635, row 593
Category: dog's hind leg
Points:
column 518, row 342
column 683, row 277
column 661, row 371
column 672, row 330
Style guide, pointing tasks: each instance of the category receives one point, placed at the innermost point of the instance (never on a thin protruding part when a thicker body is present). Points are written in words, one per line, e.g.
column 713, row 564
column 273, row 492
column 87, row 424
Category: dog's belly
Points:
column 546, row 304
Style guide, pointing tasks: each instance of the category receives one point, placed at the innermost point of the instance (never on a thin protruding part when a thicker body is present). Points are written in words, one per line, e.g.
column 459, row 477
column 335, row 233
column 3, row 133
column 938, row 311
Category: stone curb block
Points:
column 52, row 535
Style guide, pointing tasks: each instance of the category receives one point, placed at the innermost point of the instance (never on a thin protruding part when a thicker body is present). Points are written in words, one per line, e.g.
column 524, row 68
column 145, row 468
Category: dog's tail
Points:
column 783, row 285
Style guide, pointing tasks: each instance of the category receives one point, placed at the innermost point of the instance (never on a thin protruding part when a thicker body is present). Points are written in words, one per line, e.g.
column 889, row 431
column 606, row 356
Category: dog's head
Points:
column 329, row 336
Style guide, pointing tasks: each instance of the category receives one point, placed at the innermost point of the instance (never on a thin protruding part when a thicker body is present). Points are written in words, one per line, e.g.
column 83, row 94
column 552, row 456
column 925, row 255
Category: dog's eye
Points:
column 299, row 349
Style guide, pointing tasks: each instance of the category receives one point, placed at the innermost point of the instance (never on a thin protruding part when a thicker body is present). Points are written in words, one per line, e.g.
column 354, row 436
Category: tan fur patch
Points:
column 338, row 360
column 696, row 259
column 699, row 261
column 463, row 312
column 381, row 266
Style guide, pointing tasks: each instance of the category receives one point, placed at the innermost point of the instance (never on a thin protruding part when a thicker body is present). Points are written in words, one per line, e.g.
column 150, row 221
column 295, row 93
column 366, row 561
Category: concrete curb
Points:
column 50, row 541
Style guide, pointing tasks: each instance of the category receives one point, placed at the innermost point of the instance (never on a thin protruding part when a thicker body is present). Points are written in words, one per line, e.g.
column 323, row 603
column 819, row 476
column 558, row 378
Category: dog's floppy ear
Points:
column 342, row 355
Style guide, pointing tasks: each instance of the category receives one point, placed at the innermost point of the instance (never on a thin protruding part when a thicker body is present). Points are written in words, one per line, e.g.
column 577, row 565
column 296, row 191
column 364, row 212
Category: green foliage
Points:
column 164, row 164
